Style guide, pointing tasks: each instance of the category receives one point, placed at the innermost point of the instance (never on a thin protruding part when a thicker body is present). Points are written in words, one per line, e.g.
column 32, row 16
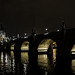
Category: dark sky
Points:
column 20, row 16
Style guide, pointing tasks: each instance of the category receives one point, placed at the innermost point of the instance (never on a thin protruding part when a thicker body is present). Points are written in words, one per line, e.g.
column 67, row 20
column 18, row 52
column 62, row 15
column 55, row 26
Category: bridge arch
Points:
column 44, row 45
column 25, row 46
column 48, row 46
column 12, row 45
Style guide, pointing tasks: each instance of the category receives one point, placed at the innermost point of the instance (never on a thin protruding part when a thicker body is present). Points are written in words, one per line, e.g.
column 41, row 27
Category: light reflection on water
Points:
column 42, row 60
column 12, row 61
column 24, row 57
column 73, row 65
column 44, row 63
column 7, row 63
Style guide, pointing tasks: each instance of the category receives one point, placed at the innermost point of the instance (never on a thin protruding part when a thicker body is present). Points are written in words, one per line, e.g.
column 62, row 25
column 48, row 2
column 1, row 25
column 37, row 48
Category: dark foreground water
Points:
column 43, row 65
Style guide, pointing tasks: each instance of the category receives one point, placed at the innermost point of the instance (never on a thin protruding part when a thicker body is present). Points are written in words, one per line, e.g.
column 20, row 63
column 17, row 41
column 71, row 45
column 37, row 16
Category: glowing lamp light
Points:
column 46, row 29
column 58, row 30
column 25, row 34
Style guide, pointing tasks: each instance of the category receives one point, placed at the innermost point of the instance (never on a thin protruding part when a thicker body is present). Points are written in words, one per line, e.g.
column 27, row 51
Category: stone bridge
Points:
column 64, row 41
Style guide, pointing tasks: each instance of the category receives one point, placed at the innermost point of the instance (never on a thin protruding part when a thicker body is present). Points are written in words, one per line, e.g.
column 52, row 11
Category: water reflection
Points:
column 42, row 60
column 5, row 63
column 24, row 57
column 45, row 64
column 24, row 61
column 9, row 65
column 12, row 62
column 73, row 65
column 1, row 61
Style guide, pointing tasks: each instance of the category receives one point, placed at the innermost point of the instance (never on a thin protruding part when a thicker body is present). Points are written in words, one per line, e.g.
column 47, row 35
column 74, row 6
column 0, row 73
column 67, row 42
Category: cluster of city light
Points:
column 3, row 37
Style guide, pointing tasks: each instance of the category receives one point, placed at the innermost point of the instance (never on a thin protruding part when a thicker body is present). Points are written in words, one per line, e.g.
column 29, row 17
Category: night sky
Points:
column 20, row 16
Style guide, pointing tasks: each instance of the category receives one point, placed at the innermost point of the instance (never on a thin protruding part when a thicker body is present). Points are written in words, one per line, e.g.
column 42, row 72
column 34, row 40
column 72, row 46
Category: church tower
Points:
column 2, row 33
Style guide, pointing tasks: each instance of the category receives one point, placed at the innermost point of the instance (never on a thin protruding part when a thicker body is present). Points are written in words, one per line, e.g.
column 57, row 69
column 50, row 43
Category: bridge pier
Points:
column 17, row 55
column 33, row 53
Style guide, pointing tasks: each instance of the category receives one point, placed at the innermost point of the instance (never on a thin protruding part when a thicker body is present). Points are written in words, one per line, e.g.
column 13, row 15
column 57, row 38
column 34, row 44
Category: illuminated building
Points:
column 2, row 34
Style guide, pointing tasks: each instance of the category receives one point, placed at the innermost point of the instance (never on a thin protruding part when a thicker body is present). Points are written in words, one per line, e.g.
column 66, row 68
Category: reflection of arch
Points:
column 25, row 46
column 12, row 46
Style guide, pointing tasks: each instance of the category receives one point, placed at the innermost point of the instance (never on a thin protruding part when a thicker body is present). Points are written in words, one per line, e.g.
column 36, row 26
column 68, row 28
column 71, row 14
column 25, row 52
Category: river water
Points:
column 44, row 66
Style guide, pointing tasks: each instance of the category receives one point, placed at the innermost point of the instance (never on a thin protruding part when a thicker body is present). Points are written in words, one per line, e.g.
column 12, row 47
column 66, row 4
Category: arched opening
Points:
column 45, row 46
column 25, row 46
column 12, row 46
